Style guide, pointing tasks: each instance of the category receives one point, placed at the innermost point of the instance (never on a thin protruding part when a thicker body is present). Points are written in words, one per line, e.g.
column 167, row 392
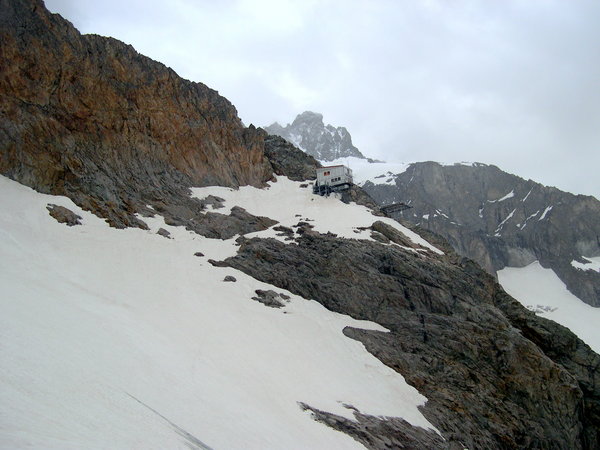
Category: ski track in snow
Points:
column 542, row 291
column 92, row 317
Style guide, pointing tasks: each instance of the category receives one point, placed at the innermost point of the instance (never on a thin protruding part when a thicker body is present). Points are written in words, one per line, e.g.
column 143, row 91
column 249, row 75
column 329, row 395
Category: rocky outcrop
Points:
column 496, row 376
column 89, row 117
column 309, row 133
column 288, row 160
column 64, row 215
column 270, row 298
column 220, row 226
column 373, row 432
column 501, row 220
column 360, row 197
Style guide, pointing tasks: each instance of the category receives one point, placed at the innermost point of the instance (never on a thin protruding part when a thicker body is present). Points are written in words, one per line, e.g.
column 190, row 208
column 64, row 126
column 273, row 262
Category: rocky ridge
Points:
column 496, row 376
column 323, row 142
column 88, row 117
column 499, row 220
column 287, row 159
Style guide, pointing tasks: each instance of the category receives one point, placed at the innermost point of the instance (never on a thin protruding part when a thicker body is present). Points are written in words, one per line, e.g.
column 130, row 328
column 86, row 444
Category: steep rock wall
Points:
column 499, row 220
column 89, row 117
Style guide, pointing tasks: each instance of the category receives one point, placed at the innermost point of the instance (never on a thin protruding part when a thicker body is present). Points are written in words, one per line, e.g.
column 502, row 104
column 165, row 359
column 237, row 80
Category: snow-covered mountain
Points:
column 541, row 291
column 499, row 219
column 323, row 142
column 169, row 280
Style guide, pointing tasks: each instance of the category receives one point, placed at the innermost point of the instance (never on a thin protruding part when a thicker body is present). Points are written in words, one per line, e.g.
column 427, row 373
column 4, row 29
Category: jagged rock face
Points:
column 495, row 375
column 309, row 133
column 290, row 161
column 89, row 117
column 500, row 220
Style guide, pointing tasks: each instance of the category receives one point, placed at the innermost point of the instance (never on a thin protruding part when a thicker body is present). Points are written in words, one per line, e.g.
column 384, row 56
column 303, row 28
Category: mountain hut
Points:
column 332, row 179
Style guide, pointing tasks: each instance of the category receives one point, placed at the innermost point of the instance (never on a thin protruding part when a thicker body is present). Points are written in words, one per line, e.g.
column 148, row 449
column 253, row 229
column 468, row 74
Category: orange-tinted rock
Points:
column 89, row 117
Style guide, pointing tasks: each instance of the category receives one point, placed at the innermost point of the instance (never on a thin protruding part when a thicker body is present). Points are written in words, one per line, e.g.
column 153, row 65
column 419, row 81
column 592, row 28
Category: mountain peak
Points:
column 309, row 117
column 324, row 142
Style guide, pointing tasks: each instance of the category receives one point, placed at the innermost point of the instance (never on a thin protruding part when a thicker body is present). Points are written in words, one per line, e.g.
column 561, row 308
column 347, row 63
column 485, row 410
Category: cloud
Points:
column 509, row 83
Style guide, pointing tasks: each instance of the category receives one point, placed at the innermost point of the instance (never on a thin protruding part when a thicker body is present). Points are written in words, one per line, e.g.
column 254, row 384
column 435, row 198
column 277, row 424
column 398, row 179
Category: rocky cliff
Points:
column 496, row 376
column 89, row 117
column 500, row 220
column 309, row 133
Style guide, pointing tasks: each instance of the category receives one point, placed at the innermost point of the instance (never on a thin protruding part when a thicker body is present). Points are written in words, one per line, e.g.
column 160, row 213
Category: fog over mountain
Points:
column 511, row 83
column 322, row 142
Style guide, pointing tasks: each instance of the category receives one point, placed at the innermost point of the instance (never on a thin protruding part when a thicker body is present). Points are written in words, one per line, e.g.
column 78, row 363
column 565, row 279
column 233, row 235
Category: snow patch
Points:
column 546, row 211
column 512, row 213
column 511, row 194
column 527, row 220
column 591, row 264
column 364, row 171
column 525, row 198
column 296, row 140
column 533, row 285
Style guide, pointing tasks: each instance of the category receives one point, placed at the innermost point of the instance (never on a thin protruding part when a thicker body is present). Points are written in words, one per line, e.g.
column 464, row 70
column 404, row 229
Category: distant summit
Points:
column 323, row 142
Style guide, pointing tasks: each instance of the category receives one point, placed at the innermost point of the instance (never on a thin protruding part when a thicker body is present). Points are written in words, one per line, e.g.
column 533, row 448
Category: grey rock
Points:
column 63, row 215
column 269, row 298
column 214, row 201
column 198, row 254
column 230, row 278
column 310, row 134
column 382, row 433
column 290, row 161
column 221, row 226
column 395, row 236
column 359, row 196
column 496, row 376
column 164, row 233
column 284, row 231
column 380, row 237
column 473, row 208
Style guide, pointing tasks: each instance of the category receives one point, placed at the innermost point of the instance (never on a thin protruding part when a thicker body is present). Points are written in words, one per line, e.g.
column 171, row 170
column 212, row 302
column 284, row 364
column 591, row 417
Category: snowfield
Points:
column 124, row 339
column 376, row 173
column 542, row 291
column 288, row 203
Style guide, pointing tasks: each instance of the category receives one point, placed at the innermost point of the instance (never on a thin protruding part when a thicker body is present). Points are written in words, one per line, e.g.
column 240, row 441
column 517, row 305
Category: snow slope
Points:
column 286, row 202
column 383, row 172
column 542, row 291
column 377, row 173
column 124, row 339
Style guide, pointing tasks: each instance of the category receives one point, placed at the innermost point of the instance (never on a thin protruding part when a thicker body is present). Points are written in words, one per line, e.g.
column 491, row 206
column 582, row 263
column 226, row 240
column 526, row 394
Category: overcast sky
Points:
column 505, row 82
